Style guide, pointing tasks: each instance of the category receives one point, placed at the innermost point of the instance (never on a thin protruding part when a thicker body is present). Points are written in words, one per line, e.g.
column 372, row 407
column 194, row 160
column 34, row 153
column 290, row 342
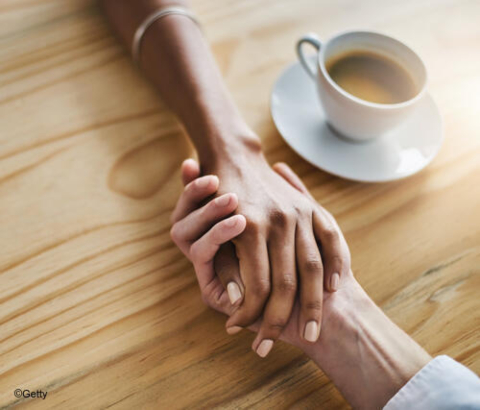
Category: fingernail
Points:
column 334, row 281
column 264, row 348
column 203, row 182
column 231, row 221
column 224, row 200
column 311, row 331
column 233, row 330
column 233, row 292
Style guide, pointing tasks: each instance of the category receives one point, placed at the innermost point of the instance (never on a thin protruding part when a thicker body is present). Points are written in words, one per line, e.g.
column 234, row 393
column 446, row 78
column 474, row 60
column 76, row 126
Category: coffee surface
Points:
column 372, row 77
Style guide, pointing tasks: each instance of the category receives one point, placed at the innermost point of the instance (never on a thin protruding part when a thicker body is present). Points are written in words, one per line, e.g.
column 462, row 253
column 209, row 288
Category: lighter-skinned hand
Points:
column 199, row 236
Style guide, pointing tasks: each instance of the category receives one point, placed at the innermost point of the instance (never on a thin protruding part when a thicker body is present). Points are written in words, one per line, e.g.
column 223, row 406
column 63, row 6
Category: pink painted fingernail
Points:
column 234, row 293
column 204, row 181
column 233, row 330
column 311, row 331
column 264, row 348
column 224, row 200
column 334, row 281
column 231, row 221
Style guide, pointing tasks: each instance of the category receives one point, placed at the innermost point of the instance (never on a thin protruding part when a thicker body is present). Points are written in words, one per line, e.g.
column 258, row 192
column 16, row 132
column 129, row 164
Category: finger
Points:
column 335, row 253
column 195, row 192
column 310, row 268
column 255, row 275
column 203, row 251
column 212, row 291
column 279, row 307
column 286, row 173
column 190, row 170
column 228, row 272
column 196, row 223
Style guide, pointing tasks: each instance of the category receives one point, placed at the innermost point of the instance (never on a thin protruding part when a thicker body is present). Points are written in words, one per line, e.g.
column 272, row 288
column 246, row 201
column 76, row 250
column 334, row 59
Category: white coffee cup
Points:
column 351, row 116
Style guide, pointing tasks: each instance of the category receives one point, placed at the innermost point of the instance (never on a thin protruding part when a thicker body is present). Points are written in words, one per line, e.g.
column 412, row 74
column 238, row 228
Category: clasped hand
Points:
column 263, row 273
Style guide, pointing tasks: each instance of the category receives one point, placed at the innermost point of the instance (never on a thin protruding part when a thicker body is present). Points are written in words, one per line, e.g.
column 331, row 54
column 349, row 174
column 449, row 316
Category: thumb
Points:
column 228, row 272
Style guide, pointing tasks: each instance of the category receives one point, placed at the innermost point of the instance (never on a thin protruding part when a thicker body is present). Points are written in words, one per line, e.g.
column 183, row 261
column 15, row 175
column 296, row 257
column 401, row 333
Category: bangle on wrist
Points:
column 149, row 20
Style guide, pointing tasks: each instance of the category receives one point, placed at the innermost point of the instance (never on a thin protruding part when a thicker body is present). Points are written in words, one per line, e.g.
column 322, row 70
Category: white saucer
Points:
column 300, row 119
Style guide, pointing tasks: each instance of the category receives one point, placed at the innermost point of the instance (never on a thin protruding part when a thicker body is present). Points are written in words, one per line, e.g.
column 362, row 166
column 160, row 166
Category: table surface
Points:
column 97, row 305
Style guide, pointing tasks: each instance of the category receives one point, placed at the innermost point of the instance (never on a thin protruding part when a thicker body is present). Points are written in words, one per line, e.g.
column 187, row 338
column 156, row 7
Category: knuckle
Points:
column 254, row 226
column 314, row 305
column 261, row 288
column 337, row 260
column 276, row 323
column 330, row 234
column 288, row 284
column 312, row 265
column 279, row 218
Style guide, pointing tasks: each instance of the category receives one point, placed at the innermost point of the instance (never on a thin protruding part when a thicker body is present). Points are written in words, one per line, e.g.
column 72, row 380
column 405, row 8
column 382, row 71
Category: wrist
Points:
column 218, row 130
column 340, row 324
column 234, row 148
column 363, row 352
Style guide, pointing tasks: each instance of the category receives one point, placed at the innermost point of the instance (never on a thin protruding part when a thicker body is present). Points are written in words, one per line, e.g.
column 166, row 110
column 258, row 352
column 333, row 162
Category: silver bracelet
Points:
column 158, row 14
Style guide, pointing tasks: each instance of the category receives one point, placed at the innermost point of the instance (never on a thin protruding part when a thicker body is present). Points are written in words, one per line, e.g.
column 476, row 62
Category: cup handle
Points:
column 313, row 40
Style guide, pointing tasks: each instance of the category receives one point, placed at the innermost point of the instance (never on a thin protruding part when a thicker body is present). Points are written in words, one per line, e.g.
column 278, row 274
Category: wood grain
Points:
column 99, row 308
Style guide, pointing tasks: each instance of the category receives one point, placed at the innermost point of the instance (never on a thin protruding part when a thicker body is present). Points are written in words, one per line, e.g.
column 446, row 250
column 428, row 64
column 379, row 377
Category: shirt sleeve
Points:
column 443, row 384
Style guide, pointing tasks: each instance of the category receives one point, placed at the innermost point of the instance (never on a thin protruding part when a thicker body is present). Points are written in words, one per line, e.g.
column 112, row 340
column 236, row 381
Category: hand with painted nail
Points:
column 282, row 225
column 364, row 353
column 274, row 227
column 279, row 251
column 299, row 330
column 305, row 322
column 199, row 230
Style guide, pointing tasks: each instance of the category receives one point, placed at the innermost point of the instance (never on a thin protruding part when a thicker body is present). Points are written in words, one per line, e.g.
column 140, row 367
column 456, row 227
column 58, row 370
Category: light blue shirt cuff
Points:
column 443, row 384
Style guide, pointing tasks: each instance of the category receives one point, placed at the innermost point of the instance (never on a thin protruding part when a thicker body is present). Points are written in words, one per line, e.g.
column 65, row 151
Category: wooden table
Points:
column 97, row 305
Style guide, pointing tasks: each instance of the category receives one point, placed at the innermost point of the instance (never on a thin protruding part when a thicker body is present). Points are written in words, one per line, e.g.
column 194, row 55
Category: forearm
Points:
column 364, row 353
column 175, row 56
